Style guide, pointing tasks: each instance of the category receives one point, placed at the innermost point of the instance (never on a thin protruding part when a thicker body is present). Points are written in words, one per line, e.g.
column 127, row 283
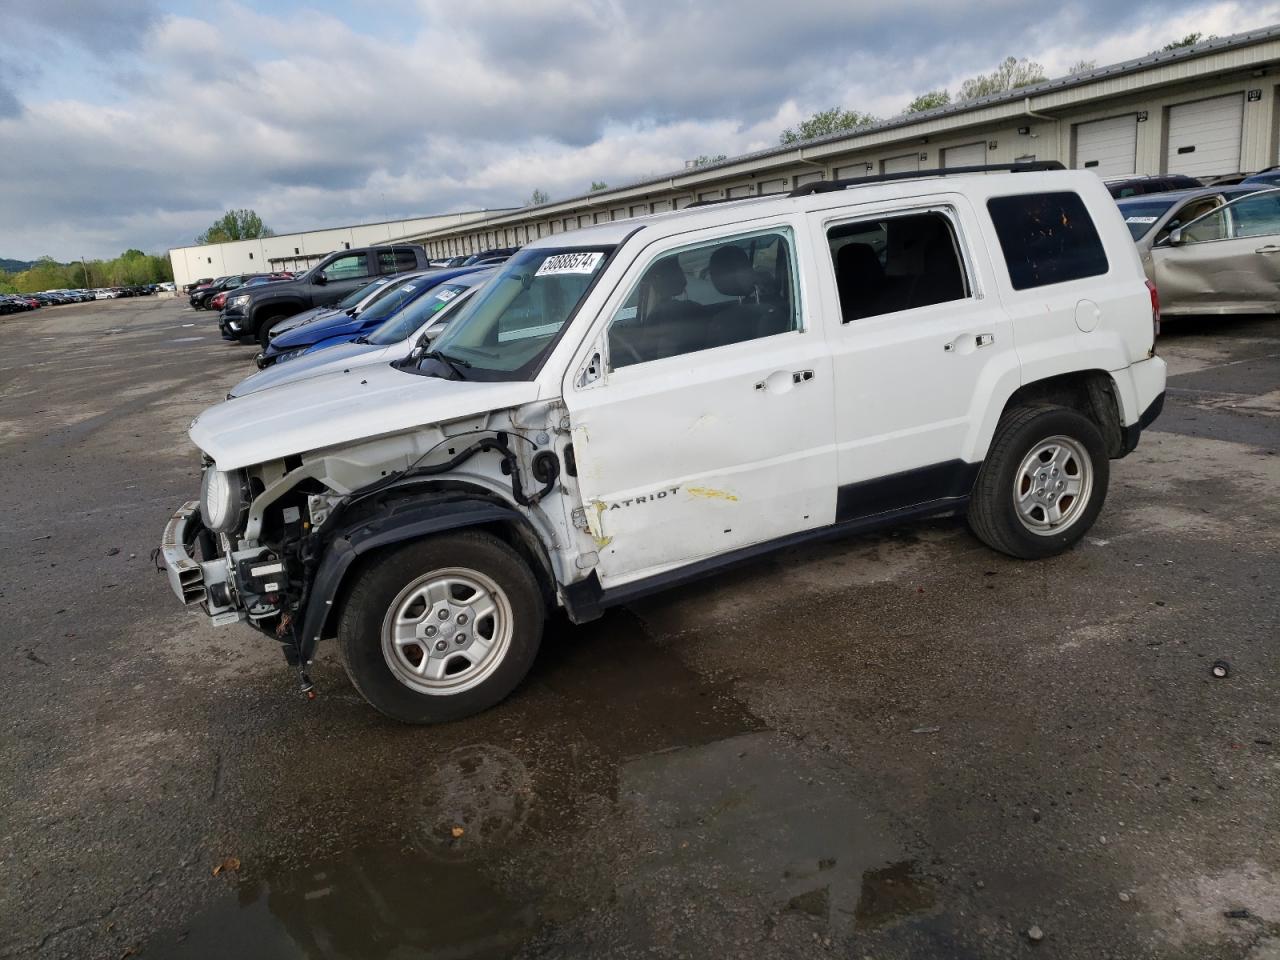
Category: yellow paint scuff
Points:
column 707, row 493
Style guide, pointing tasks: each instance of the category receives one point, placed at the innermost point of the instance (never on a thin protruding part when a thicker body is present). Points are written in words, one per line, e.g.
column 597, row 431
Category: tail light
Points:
column 1155, row 314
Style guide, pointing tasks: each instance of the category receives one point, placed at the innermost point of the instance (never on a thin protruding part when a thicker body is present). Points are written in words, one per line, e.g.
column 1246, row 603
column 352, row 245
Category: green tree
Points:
column 1081, row 66
column 537, row 198
column 927, row 101
column 1190, row 40
column 1011, row 74
column 704, row 160
column 236, row 225
column 598, row 185
column 825, row 122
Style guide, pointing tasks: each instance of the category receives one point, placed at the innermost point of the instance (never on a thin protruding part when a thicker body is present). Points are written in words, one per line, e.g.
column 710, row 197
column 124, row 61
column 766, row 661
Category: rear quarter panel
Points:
column 1094, row 323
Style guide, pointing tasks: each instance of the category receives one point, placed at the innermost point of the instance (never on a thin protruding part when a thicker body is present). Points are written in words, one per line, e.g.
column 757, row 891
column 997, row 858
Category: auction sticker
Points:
column 570, row 263
column 1141, row 219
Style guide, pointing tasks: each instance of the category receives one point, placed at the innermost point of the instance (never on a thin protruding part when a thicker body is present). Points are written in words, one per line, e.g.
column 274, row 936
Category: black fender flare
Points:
column 407, row 520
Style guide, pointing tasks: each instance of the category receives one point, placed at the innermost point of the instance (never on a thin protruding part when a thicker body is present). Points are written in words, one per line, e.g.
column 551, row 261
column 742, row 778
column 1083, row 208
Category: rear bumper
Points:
column 1133, row 432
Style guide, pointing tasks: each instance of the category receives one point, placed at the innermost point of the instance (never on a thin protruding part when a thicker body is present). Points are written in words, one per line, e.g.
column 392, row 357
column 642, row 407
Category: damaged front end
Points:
column 236, row 567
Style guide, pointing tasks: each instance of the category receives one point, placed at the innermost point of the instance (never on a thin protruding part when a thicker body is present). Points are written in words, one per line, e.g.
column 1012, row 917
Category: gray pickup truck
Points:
column 249, row 316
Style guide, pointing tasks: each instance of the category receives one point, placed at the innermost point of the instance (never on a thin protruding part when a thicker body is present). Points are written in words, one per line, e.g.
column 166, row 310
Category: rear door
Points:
column 918, row 346
column 702, row 411
column 1228, row 260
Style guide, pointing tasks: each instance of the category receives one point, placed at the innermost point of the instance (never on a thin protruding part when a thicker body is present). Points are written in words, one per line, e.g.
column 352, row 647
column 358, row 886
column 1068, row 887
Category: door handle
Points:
column 979, row 340
column 781, row 379
column 1269, row 248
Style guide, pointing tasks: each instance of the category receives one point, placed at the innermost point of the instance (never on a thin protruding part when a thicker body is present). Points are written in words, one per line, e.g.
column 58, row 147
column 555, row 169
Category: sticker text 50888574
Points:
column 569, row 263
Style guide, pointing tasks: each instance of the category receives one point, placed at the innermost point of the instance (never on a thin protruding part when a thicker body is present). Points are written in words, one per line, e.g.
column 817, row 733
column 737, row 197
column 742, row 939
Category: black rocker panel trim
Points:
column 949, row 480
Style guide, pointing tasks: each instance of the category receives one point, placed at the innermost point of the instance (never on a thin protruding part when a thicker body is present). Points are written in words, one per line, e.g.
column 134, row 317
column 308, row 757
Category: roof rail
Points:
column 828, row 186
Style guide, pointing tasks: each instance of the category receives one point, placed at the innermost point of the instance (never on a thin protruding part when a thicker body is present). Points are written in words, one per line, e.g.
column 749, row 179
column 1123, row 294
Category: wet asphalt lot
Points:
column 892, row 746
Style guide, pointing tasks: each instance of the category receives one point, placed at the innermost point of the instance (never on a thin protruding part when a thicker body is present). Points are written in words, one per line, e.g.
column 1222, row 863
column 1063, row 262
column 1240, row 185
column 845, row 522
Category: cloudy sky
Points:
column 135, row 123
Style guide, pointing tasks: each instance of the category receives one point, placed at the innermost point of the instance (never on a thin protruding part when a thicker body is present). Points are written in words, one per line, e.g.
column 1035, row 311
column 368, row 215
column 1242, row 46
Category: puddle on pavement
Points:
column 636, row 789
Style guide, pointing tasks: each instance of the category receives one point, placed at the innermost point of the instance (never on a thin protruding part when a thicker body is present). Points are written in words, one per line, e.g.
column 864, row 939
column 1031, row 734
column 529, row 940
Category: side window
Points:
column 1047, row 238
column 1216, row 226
column 707, row 296
column 396, row 261
column 1256, row 216
column 898, row 263
column 1190, row 211
column 347, row 268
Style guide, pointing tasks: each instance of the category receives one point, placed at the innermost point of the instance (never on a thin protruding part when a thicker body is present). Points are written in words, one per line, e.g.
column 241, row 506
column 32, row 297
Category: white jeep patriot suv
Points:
column 639, row 403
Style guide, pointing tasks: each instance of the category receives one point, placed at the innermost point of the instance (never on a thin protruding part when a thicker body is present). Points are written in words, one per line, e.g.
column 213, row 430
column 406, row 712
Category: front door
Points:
column 1227, row 261
column 341, row 277
column 702, row 416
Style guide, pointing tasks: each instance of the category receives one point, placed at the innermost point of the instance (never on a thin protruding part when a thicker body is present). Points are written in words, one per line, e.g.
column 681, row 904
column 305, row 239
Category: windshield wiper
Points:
column 456, row 364
column 361, row 339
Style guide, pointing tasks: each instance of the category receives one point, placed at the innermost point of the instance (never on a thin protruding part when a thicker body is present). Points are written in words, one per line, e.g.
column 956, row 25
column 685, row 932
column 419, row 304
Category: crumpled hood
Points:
column 327, row 360
column 337, row 408
column 317, row 329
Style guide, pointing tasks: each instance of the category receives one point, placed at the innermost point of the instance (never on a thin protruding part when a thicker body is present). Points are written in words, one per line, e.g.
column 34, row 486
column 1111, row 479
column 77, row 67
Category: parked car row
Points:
column 204, row 295
column 15, row 303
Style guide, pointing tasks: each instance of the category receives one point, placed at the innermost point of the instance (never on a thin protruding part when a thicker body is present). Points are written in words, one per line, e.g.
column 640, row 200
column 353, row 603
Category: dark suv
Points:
column 250, row 314
column 1136, row 186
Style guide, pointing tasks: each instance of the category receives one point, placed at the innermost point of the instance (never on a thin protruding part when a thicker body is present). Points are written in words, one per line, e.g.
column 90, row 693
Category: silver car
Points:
column 1210, row 251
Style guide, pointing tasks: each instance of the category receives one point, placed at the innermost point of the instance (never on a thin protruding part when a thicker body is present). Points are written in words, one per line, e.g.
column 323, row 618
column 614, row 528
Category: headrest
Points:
column 858, row 261
column 666, row 278
column 731, row 273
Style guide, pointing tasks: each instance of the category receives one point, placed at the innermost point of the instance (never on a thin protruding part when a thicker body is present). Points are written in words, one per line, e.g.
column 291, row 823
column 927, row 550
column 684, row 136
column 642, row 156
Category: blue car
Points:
column 344, row 327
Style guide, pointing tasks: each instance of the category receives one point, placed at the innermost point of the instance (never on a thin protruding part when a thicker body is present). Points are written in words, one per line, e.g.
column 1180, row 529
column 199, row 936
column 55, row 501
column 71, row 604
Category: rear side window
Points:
column 397, row 261
column 1047, row 238
column 898, row 263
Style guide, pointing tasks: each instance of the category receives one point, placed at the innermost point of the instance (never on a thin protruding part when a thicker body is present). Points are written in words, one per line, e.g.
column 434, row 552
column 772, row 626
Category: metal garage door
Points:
column 906, row 164
column 1204, row 137
column 970, row 155
column 1108, row 147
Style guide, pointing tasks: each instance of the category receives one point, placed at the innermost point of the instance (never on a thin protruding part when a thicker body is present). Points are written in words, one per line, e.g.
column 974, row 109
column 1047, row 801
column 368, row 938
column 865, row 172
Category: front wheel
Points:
column 442, row 628
column 1042, row 484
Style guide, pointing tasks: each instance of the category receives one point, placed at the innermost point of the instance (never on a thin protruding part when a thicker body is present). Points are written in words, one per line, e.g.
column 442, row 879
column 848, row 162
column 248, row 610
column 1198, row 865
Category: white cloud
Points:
column 313, row 121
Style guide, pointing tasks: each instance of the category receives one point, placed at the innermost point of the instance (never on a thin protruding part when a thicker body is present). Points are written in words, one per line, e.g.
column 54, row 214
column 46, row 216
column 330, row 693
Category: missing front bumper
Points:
column 196, row 583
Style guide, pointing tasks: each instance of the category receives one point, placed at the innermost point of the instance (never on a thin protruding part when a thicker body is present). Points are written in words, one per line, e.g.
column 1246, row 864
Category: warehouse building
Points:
column 1206, row 110
column 298, row 251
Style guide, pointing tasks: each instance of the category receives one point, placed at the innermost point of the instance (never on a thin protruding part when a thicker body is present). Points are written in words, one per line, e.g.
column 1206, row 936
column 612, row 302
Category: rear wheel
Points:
column 442, row 628
column 1043, row 482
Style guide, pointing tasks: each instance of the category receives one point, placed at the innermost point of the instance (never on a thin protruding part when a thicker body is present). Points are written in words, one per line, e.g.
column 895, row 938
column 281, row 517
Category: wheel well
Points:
column 1090, row 392
column 513, row 533
column 277, row 311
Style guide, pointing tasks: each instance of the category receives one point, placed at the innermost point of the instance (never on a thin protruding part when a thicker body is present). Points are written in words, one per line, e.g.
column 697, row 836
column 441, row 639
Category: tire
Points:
column 264, row 329
column 465, row 679
column 1007, row 511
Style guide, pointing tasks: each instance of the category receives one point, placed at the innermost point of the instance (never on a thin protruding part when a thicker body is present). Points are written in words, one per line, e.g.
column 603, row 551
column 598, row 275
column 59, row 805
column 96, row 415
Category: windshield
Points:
column 1141, row 215
column 358, row 294
column 504, row 331
column 403, row 324
column 395, row 296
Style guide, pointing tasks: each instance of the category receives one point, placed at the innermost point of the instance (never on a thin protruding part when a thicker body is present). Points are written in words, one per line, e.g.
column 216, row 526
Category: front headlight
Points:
column 221, row 500
column 238, row 301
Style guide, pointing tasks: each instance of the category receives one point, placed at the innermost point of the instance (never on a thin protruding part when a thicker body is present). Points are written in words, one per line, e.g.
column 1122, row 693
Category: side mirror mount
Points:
column 1176, row 238
column 320, row 280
